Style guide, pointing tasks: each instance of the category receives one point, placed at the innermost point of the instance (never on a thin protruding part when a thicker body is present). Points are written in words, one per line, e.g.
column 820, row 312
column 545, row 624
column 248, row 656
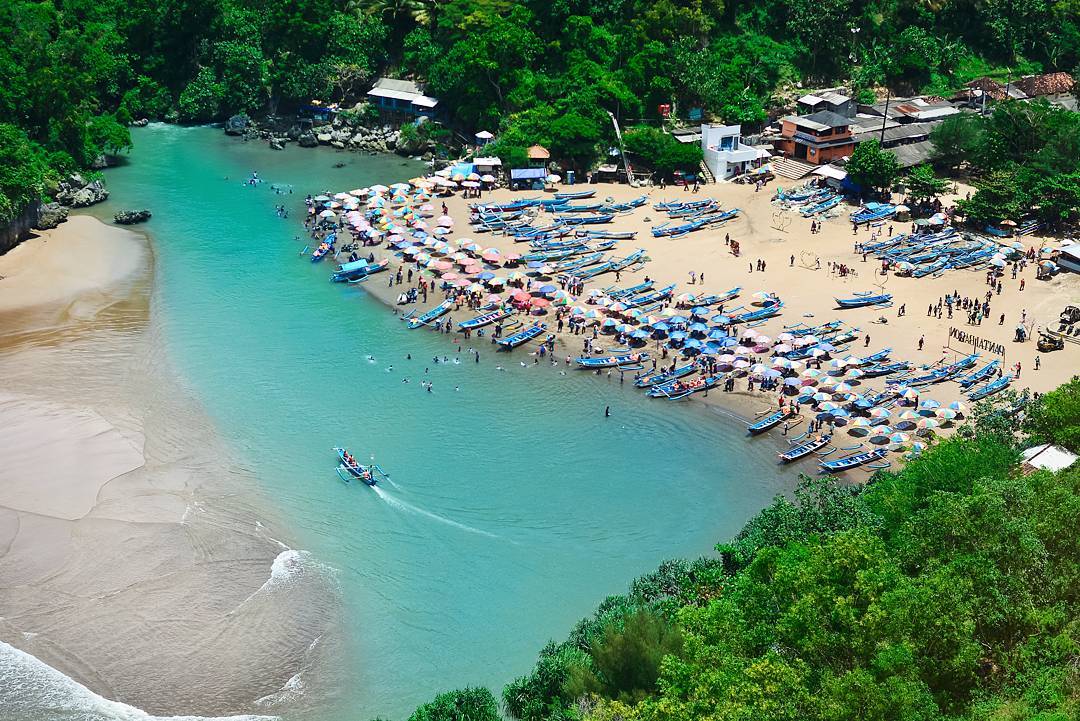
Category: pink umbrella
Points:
column 493, row 298
column 519, row 294
column 442, row 265
column 491, row 254
column 445, row 221
column 450, row 276
column 540, row 302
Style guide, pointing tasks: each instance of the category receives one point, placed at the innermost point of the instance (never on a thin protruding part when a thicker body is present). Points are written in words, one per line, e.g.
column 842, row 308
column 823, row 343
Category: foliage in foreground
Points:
column 949, row 589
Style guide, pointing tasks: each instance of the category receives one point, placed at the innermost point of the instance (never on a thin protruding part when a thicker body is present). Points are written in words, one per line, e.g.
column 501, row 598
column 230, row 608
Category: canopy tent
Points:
column 528, row 174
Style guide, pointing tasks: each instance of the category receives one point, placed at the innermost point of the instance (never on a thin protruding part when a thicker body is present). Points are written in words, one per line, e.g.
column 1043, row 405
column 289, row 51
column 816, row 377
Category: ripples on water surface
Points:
column 516, row 506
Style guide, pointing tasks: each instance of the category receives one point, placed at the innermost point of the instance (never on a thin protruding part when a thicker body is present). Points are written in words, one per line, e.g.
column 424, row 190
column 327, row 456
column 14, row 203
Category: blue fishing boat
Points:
column 821, row 206
column 669, row 230
column 612, row 361
column 617, row 293
column 805, row 448
column 350, row 469
column 722, row 217
column 629, row 205
column 934, row 376
column 585, row 219
column 853, row 461
column 437, row 312
column 357, row 270
column 660, row 376
column 755, row 315
column 980, row 375
column 679, row 390
column 991, row 388
column 320, row 252
column 770, row 421
column 522, row 336
column 864, row 299
column 568, row 208
column 924, row 270
column 873, row 211
column 650, row 297
column 484, row 319
column 575, row 195
column 608, row 234
column 875, row 357
column 885, row 369
column 964, row 363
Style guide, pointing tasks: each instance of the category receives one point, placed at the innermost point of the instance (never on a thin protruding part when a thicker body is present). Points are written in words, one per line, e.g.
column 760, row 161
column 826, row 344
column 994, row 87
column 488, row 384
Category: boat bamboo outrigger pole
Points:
column 622, row 151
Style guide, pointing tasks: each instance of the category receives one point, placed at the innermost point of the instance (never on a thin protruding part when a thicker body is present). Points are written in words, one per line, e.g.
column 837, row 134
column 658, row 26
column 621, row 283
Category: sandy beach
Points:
column 799, row 269
column 136, row 557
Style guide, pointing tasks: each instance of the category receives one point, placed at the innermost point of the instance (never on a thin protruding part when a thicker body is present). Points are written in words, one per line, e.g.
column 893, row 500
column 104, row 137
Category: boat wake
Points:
column 403, row 506
column 31, row 689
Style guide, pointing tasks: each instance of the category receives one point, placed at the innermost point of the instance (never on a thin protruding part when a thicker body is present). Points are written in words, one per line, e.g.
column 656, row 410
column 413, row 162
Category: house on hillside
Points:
column 1035, row 86
column 538, row 156
column 725, row 152
column 829, row 100
column 401, row 100
column 817, row 138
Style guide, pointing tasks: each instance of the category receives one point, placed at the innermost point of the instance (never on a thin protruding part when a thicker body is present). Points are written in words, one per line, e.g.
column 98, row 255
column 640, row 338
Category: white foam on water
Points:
column 32, row 690
column 403, row 506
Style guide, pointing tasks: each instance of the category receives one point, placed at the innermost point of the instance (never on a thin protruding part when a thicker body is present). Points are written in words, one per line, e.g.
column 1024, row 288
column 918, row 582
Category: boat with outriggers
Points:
column 611, row 361
column 350, row 469
column 853, row 461
column 662, row 375
column 357, row 271
column 991, row 388
column 522, row 336
column 484, row 319
column 861, row 300
column 678, row 389
column 435, row 313
column 804, row 447
column 770, row 421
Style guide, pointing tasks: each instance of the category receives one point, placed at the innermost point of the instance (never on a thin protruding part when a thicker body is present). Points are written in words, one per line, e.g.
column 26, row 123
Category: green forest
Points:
column 948, row 590
column 537, row 71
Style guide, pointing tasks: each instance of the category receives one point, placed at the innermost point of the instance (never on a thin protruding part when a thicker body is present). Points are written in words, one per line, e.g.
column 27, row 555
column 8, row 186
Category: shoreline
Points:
column 108, row 458
column 791, row 255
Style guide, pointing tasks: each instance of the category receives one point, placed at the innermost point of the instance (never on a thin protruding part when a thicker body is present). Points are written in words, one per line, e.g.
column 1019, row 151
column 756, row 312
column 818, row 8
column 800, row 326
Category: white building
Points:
column 726, row 155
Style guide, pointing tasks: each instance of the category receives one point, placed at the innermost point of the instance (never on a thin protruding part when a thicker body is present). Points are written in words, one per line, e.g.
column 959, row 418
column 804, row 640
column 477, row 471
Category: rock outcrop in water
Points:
column 130, row 217
column 237, row 124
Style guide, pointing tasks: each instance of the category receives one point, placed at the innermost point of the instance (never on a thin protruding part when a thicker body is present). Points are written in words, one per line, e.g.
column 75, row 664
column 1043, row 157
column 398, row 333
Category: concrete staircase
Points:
column 705, row 174
column 791, row 169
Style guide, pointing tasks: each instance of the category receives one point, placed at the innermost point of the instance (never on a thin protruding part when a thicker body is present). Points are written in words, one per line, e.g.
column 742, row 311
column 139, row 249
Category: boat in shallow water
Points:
column 770, row 421
column 350, row 469
column 805, row 448
column 612, row 361
column 853, row 461
column 437, row 312
column 522, row 336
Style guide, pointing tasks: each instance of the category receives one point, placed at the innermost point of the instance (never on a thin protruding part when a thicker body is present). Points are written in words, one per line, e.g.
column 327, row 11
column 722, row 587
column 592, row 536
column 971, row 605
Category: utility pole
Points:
column 885, row 115
column 622, row 151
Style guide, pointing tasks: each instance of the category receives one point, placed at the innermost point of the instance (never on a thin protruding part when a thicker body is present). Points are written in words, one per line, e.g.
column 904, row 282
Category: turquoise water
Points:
column 516, row 506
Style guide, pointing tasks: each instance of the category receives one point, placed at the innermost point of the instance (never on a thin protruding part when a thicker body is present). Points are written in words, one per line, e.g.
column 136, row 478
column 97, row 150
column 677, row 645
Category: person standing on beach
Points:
column 922, row 339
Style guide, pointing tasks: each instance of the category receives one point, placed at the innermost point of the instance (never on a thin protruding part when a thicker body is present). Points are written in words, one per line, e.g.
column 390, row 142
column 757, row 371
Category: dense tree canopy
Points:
column 535, row 71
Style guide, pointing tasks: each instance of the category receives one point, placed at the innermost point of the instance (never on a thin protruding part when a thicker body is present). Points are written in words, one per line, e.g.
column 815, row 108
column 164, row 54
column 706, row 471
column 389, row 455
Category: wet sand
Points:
column 782, row 239
column 137, row 557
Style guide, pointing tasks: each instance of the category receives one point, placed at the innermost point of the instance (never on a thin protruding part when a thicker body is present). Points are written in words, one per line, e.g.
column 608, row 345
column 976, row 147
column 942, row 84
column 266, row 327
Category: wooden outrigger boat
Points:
column 885, row 369
column 358, row 270
column 617, row 293
column 522, row 336
column 612, row 361
column 321, row 252
column 770, row 421
column 991, row 388
column 660, row 377
column 853, row 461
column 681, row 390
column 804, row 448
column 864, row 299
column 650, row 297
column 585, row 220
column 875, row 357
column 575, row 195
column 437, row 312
column 980, row 375
column 607, row 234
column 484, row 319
column 350, row 469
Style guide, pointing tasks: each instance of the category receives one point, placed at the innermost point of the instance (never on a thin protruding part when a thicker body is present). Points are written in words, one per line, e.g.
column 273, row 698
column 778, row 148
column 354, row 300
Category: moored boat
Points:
column 770, row 421
column 484, row 319
column 522, row 336
column 853, row 461
column 991, row 388
column 437, row 312
column 611, row 361
column 805, row 448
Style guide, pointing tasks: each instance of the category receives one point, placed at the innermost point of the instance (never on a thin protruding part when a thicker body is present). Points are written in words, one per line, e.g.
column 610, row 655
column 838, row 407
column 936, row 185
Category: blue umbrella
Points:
column 639, row 335
column 661, row 327
column 548, row 289
column 678, row 320
column 729, row 342
column 700, row 311
column 717, row 334
column 699, row 328
column 678, row 335
column 694, row 343
column 486, row 275
column 713, row 347
column 534, row 264
column 721, row 319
